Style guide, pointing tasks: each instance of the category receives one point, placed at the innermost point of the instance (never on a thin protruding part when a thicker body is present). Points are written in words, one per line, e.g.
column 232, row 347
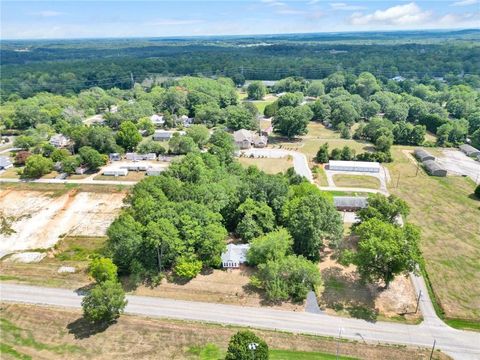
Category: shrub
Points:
column 238, row 347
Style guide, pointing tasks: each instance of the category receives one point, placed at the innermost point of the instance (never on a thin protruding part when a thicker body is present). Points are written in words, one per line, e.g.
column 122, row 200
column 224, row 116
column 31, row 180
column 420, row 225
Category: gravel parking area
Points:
column 457, row 163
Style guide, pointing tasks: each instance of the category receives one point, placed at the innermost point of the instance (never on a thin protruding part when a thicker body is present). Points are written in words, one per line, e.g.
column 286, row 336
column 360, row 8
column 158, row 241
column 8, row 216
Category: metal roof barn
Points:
column 469, row 150
column 349, row 203
column 423, row 155
column 357, row 166
column 434, row 168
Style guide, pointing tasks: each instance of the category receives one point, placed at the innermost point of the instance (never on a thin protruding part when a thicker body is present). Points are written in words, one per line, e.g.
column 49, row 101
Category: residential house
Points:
column 235, row 255
column 164, row 135
column 185, row 120
column 139, row 157
column 111, row 171
column 59, row 140
column 245, row 139
column 157, row 120
column 115, row 157
column 80, row 170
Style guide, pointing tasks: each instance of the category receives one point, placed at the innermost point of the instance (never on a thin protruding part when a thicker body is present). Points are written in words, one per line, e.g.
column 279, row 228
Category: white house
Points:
column 244, row 139
column 235, row 255
column 186, row 121
column 136, row 166
column 111, row 171
column 5, row 163
column 138, row 157
column 157, row 120
column 358, row 166
column 59, row 140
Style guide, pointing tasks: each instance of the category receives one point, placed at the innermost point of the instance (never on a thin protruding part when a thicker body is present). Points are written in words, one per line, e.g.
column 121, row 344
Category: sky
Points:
column 100, row 19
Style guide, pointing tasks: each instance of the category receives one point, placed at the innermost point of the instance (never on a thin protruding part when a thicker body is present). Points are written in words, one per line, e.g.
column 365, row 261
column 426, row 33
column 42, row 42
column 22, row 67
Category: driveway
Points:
column 456, row 162
column 459, row 344
column 300, row 162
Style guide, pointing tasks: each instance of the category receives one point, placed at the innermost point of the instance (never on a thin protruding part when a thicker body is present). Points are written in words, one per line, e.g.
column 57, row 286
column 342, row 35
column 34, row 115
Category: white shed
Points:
column 115, row 172
column 235, row 255
column 358, row 166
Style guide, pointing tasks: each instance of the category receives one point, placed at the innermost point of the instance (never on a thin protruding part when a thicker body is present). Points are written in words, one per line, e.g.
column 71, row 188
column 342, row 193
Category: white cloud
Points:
column 346, row 7
column 48, row 13
column 400, row 15
column 173, row 22
column 459, row 20
column 465, row 3
column 282, row 8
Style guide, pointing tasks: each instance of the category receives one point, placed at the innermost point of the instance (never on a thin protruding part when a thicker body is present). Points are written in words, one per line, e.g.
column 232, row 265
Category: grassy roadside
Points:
column 48, row 333
column 61, row 189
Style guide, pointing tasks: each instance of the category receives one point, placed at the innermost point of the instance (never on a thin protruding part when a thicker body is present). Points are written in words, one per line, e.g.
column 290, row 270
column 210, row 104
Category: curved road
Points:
column 459, row 344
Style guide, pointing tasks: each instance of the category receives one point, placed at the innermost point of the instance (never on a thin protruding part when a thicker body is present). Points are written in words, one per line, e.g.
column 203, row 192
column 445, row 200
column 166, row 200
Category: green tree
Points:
column 187, row 267
column 272, row 246
column 209, row 114
column 290, row 121
column 104, row 303
column 239, row 347
column 385, row 208
column 384, row 143
column 366, row 84
column 344, row 112
column 91, row 158
column 311, row 218
column 397, row 112
column 128, row 136
column 290, row 99
column 180, row 144
column 59, row 155
column 163, row 238
column 151, row 146
column 146, row 124
column 256, row 90
column 36, row 166
column 102, row 269
column 255, row 219
column 200, row 134
column 270, row 109
column 316, row 89
column 70, row 164
column 321, row 109
column 385, row 250
column 238, row 117
column 223, row 145
column 322, row 154
column 290, row 277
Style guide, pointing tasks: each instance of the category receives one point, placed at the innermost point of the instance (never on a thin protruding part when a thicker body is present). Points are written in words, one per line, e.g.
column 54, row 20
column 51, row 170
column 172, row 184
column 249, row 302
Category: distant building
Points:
column 155, row 171
column 80, row 170
column 139, row 157
column 186, row 121
column 157, row 120
column 164, row 135
column 469, row 150
column 245, row 139
column 5, row 163
column 59, row 140
column 398, row 78
column 434, row 168
column 136, row 166
column 349, row 203
column 357, row 166
column 115, row 157
column 235, row 255
column 114, row 172
column 423, row 155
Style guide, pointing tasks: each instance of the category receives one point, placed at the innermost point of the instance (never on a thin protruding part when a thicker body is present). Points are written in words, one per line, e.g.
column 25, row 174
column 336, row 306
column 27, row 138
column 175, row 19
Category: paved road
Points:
column 300, row 162
column 459, row 344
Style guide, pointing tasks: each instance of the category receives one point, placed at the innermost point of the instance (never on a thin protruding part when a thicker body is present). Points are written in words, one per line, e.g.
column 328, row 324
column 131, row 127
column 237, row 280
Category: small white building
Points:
column 155, row 171
column 136, row 166
column 157, row 120
column 139, row 157
column 59, row 140
column 80, row 170
column 186, row 121
column 115, row 157
column 235, row 255
column 5, row 163
column 357, row 166
column 111, row 171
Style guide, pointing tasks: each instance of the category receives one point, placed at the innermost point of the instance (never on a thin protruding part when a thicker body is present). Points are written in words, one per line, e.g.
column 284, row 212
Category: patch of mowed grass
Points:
column 363, row 181
column 17, row 336
column 463, row 324
column 304, row 355
column 79, row 248
column 448, row 218
column 207, row 352
column 8, row 350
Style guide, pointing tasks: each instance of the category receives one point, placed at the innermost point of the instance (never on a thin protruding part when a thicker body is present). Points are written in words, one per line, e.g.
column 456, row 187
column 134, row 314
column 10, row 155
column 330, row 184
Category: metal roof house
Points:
column 164, row 135
column 434, row 168
column 357, row 166
column 138, row 157
column 349, row 203
column 235, row 255
column 115, row 172
column 5, row 163
column 244, row 139
column 59, row 140
column 469, row 150
column 423, row 155
column 136, row 166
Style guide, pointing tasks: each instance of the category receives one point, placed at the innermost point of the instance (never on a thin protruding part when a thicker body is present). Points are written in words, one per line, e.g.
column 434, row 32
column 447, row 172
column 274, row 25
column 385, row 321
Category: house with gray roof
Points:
column 235, row 255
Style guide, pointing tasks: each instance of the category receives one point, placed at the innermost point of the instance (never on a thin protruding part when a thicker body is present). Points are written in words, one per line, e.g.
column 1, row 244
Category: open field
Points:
column 448, row 215
column 24, row 333
column 39, row 219
column 131, row 176
column 10, row 173
column 270, row 166
column 363, row 181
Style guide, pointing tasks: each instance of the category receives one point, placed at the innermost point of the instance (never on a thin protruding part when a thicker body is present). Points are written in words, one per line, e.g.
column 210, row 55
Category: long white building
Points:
column 358, row 166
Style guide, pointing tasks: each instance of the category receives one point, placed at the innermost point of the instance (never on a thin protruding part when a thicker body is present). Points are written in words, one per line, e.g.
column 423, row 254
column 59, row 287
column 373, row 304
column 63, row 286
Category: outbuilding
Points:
column 5, row 163
column 115, row 157
column 434, row 168
column 423, row 155
column 356, row 166
column 349, row 203
column 136, row 166
column 155, row 171
column 115, row 172
column 235, row 255
column 164, row 135
column 469, row 150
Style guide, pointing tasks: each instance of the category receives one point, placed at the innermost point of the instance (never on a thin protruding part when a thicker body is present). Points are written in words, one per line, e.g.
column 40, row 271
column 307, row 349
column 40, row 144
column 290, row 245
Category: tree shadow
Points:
column 346, row 292
column 84, row 290
column 83, row 329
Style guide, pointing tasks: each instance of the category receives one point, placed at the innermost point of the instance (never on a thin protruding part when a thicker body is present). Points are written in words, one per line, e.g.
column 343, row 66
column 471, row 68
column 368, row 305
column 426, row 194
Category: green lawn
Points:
column 363, row 181
column 304, row 355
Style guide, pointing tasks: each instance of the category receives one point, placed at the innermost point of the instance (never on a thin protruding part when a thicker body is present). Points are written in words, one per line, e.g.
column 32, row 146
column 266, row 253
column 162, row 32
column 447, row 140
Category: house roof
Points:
column 356, row 164
column 432, row 166
column 469, row 149
column 243, row 135
column 350, row 201
column 236, row 253
column 422, row 154
column 5, row 161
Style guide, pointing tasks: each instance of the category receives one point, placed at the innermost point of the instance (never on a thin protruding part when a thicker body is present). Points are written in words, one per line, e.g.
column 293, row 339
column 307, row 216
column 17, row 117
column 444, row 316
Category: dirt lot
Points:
column 46, row 333
column 40, row 218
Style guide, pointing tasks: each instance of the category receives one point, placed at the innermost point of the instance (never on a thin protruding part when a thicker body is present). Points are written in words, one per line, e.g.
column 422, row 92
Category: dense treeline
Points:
column 68, row 67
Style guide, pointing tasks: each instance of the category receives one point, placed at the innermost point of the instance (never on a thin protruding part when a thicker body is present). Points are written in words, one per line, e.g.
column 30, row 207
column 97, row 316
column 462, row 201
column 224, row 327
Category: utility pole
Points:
column 418, row 300
column 433, row 348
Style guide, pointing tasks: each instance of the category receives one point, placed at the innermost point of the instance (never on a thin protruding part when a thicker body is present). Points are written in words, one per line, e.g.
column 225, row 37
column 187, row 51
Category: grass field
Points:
column 131, row 176
column 34, row 332
column 363, row 181
column 449, row 216
column 10, row 173
column 59, row 189
column 270, row 166
column 319, row 175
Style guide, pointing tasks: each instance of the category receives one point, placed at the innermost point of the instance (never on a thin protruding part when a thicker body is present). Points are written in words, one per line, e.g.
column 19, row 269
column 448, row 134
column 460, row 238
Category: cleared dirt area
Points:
column 46, row 333
column 270, row 166
column 38, row 219
column 448, row 215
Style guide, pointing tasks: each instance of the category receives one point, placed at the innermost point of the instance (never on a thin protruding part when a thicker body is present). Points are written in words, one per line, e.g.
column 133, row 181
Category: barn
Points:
column 357, row 166
column 434, row 168
column 469, row 150
column 349, row 203
column 423, row 155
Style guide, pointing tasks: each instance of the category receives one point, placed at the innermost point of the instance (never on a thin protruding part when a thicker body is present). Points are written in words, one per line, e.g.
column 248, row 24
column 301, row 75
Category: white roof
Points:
column 236, row 253
column 357, row 164
column 5, row 161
